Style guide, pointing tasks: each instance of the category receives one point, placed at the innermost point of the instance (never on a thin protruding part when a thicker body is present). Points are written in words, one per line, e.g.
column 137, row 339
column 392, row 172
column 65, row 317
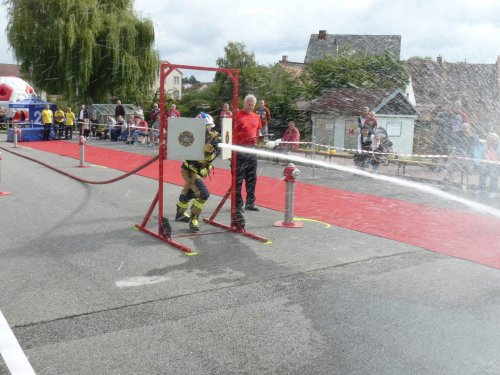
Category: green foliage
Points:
column 354, row 70
column 83, row 49
column 192, row 79
column 194, row 102
column 280, row 90
column 235, row 58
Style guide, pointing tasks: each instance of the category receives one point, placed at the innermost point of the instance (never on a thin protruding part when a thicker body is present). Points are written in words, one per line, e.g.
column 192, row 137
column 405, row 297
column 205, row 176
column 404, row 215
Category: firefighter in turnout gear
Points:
column 193, row 172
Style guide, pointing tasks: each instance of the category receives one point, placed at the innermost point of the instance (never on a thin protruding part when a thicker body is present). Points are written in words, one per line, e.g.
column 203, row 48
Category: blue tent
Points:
column 34, row 107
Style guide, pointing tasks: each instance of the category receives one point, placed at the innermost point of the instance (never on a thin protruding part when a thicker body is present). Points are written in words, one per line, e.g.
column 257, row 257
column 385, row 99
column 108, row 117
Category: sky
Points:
column 195, row 32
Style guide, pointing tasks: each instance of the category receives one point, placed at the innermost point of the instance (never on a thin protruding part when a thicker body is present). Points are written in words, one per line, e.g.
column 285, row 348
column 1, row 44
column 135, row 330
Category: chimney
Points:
column 322, row 35
column 284, row 58
column 440, row 60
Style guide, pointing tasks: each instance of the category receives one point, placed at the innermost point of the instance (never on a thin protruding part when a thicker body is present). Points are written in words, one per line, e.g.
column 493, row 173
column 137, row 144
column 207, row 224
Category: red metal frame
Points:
column 165, row 70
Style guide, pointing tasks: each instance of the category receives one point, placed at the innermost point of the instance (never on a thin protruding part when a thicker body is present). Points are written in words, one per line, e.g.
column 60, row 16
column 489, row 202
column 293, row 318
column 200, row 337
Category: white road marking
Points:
column 13, row 355
column 141, row 280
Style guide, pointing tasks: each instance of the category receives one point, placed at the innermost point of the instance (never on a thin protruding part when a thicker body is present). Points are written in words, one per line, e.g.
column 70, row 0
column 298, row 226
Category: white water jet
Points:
column 479, row 207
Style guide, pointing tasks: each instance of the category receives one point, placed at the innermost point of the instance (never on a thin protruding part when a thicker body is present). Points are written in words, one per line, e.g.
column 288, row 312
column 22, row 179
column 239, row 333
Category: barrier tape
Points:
column 397, row 155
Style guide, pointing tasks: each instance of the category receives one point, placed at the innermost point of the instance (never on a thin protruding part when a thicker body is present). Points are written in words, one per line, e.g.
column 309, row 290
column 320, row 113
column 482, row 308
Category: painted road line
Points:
column 140, row 281
column 12, row 354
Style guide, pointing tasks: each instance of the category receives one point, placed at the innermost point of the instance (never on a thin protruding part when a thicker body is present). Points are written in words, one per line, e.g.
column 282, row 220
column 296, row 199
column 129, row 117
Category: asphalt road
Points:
column 86, row 293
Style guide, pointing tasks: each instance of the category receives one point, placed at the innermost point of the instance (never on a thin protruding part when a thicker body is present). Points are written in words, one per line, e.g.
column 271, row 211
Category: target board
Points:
column 186, row 138
column 227, row 136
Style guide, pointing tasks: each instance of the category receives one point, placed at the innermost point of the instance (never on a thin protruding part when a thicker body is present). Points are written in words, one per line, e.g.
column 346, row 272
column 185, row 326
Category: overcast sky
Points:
column 194, row 32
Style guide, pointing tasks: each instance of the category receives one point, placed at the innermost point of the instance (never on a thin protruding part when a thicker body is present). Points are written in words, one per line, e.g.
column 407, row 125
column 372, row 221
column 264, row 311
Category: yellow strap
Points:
column 184, row 205
column 198, row 203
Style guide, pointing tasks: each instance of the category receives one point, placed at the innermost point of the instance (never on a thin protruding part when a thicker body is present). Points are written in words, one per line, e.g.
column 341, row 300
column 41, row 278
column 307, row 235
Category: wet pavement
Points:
column 86, row 293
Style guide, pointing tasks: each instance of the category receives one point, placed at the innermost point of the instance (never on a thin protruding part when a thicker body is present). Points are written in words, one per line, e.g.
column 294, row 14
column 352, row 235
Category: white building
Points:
column 334, row 116
column 173, row 84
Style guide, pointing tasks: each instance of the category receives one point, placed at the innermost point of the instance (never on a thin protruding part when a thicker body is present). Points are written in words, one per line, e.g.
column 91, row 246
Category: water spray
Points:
column 478, row 207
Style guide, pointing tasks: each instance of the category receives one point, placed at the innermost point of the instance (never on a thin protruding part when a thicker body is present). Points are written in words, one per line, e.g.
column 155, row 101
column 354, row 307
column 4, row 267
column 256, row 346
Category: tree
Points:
column 280, row 89
column 192, row 80
column 90, row 49
column 235, row 58
column 354, row 70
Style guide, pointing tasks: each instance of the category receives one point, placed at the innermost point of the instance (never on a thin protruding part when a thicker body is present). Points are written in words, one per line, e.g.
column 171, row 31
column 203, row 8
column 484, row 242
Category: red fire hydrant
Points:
column 290, row 173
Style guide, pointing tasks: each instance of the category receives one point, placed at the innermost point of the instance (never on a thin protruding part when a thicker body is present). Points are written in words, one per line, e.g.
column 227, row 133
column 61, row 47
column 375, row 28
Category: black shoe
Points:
column 251, row 208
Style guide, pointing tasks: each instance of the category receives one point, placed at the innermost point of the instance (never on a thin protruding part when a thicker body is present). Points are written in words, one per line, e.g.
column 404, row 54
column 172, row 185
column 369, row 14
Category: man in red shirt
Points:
column 247, row 127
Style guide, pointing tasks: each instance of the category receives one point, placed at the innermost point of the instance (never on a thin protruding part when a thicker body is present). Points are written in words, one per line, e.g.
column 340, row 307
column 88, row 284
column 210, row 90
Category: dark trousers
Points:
column 68, row 132
column 246, row 170
column 46, row 131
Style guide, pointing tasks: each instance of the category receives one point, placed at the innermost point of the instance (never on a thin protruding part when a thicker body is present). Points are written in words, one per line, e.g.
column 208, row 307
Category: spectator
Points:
column 70, row 122
column 365, row 112
column 462, row 147
column 86, row 127
column 139, row 112
column 129, row 129
column 59, row 123
column 173, row 112
column 460, row 117
column 365, row 139
column 377, row 150
column 47, row 118
column 119, row 110
column 82, row 115
column 155, row 114
column 141, row 130
column 371, row 122
column 247, row 125
column 94, row 126
column 291, row 138
column 110, row 126
column 226, row 113
column 488, row 152
column 193, row 172
column 265, row 117
column 116, row 131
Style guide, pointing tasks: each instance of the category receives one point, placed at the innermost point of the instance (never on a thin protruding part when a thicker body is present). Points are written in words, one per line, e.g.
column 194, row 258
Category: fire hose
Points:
column 133, row 171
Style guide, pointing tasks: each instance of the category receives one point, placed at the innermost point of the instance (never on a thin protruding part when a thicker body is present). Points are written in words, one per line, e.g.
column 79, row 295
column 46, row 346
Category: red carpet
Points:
column 459, row 234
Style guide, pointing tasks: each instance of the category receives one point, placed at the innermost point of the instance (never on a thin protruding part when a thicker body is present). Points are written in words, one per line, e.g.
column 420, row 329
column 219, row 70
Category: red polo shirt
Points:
column 247, row 126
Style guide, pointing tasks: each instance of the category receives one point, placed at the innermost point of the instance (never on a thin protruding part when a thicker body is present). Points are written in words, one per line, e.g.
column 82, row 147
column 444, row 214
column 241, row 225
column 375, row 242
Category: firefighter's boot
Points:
column 181, row 215
column 194, row 225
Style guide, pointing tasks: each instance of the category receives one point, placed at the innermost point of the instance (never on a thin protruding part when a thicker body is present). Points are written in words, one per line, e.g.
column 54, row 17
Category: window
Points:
column 176, row 80
column 394, row 129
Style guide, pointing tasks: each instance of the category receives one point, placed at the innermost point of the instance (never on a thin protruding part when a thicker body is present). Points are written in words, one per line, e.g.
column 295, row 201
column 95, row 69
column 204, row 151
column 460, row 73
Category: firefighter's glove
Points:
column 203, row 172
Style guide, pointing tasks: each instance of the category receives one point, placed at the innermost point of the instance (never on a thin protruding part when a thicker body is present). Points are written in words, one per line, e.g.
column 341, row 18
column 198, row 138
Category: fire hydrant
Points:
column 290, row 173
column 82, row 141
